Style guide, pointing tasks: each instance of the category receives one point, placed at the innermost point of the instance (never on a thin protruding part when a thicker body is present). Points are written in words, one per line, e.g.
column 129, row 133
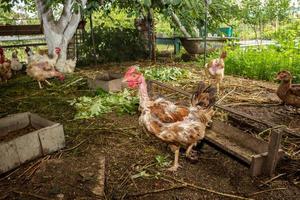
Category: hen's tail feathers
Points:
column 205, row 96
column 223, row 55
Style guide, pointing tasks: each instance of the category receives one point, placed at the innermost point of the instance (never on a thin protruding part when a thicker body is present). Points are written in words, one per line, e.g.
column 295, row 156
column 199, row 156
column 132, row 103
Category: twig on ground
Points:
column 32, row 195
column 72, row 83
column 251, row 104
column 8, row 175
column 272, row 179
column 76, row 146
column 272, row 128
column 220, row 100
column 264, row 191
column 156, row 191
column 191, row 185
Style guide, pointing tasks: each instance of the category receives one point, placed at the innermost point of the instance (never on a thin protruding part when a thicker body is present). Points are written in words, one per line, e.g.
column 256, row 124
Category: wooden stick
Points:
column 264, row 191
column 72, row 83
column 8, row 175
column 32, row 195
column 72, row 148
column 156, row 191
column 272, row 179
column 220, row 100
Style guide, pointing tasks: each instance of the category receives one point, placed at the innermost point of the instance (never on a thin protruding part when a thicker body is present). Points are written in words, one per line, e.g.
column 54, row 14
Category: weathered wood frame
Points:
column 262, row 157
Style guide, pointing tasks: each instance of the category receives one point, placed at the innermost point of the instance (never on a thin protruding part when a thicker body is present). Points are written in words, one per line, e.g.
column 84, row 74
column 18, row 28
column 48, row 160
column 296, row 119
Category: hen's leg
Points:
column 40, row 85
column 189, row 153
column 48, row 82
column 176, row 157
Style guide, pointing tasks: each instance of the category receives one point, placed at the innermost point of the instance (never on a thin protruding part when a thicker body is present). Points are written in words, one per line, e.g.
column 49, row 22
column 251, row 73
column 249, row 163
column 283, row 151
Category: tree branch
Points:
column 66, row 14
column 179, row 24
column 46, row 15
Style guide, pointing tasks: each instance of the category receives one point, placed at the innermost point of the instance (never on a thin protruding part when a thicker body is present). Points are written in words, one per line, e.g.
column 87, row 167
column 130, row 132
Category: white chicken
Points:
column 15, row 63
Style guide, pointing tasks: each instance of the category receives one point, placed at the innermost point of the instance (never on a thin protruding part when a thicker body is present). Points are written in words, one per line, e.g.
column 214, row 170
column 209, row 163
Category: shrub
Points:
column 114, row 45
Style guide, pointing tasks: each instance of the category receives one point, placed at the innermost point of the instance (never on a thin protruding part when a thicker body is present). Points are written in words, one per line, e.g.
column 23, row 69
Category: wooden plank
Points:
column 20, row 30
column 24, row 45
column 99, row 187
column 243, row 139
column 274, row 145
column 229, row 146
column 260, row 121
column 257, row 163
column 171, row 88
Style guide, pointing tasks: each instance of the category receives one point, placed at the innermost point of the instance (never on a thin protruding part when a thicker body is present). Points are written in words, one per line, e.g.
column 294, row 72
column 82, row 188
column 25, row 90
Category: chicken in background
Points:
column 5, row 67
column 215, row 69
column 179, row 126
column 43, row 60
column 15, row 63
column 43, row 69
column 70, row 65
column 289, row 93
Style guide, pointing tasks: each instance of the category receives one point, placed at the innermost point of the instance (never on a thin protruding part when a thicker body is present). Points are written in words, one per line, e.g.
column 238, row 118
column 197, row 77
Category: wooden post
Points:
column 151, row 34
column 274, row 145
column 93, row 39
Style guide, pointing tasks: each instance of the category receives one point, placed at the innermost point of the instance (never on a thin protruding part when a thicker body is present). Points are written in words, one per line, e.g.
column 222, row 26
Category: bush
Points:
column 114, row 45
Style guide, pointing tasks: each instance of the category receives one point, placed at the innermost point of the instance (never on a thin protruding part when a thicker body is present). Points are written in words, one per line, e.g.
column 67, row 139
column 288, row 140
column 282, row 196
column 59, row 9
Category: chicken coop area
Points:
column 113, row 158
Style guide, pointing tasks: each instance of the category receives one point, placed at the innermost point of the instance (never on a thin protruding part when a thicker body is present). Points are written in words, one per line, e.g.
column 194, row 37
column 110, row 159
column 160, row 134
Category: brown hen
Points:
column 178, row 126
column 289, row 93
column 5, row 67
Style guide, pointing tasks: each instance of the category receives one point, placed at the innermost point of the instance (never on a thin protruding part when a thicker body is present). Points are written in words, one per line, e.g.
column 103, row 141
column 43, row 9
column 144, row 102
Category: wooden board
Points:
column 9, row 30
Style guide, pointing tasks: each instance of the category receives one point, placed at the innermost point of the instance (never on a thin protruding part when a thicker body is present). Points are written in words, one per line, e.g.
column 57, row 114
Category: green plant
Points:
column 263, row 63
column 162, row 161
column 114, row 45
column 165, row 73
column 104, row 102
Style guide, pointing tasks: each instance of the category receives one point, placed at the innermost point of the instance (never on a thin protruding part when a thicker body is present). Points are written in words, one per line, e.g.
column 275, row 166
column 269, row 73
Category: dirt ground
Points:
column 132, row 168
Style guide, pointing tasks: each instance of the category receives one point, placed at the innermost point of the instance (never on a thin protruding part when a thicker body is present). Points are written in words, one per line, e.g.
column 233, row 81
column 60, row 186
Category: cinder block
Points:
column 9, row 157
column 52, row 138
column 28, row 146
column 109, row 82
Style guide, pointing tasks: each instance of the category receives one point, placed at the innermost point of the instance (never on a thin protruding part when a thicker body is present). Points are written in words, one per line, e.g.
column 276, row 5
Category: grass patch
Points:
column 263, row 63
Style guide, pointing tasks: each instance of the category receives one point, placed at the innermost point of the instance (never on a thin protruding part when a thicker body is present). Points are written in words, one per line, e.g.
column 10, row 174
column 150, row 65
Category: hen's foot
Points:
column 193, row 155
column 48, row 82
column 173, row 168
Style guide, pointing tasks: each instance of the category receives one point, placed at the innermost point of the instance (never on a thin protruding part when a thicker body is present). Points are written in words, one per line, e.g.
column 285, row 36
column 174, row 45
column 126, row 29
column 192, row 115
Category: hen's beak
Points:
column 124, row 80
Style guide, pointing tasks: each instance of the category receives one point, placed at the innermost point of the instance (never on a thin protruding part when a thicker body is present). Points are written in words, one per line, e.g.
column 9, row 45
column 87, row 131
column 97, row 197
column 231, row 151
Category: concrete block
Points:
column 52, row 138
column 48, row 138
column 110, row 82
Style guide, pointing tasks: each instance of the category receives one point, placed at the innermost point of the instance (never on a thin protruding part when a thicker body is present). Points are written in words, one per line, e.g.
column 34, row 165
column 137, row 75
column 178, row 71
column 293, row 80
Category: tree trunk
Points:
column 59, row 33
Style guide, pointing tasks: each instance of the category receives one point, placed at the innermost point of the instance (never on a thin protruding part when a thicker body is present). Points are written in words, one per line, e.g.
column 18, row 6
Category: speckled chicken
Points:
column 5, row 67
column 289, row 93
column 178, row 126
column 215, row 69
column 41, row 69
